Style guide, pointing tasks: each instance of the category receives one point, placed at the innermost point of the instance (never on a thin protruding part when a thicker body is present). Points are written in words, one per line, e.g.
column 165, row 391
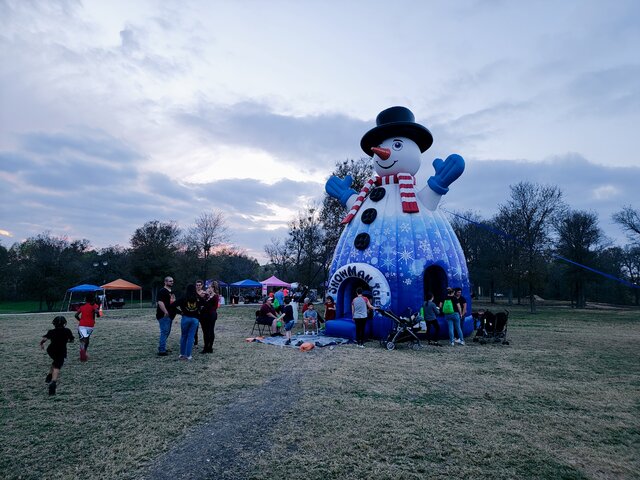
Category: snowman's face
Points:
column 404, row 158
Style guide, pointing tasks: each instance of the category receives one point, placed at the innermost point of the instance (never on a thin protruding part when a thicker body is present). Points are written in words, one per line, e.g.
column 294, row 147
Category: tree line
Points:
column 43, row 267
column 521, row 252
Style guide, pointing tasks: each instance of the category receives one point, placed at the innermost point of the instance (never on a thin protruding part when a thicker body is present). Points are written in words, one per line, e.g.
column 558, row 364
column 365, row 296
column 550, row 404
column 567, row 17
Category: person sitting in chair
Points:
column 310, row 319
column 268, row 316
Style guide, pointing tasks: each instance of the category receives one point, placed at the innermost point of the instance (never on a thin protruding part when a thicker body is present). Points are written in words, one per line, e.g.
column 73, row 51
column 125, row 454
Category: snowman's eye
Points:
column 397, row 145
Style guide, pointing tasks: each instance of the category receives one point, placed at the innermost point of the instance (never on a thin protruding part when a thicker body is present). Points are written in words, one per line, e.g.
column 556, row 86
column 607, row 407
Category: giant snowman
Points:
column 396, row 243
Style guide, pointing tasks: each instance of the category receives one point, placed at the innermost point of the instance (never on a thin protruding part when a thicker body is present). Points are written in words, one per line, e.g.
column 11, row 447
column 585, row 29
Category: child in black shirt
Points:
column 57, row 350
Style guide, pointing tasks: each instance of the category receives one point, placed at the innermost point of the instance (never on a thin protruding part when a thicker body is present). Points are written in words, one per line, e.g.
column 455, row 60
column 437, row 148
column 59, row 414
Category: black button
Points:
column 369, row 215
column 362, row 241
column 377, row 194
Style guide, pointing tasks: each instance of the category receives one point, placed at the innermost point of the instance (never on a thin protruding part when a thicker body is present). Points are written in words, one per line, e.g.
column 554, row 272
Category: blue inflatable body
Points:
column 396, row 243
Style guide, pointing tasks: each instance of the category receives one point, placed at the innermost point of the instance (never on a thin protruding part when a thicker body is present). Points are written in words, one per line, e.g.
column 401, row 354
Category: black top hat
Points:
column 398, row 122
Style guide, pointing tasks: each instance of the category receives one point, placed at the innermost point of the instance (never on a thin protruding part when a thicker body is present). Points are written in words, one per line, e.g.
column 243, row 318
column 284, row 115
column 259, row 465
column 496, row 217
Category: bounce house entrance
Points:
column 435, row 281
column 347, row 293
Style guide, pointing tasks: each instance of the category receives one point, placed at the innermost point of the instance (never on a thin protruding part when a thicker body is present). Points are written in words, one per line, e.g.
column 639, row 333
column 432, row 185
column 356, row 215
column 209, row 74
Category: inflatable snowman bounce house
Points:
column 396, row 244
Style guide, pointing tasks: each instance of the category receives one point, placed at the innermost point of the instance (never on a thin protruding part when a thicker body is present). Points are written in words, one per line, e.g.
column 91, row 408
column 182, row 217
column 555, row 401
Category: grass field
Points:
column 562, row 401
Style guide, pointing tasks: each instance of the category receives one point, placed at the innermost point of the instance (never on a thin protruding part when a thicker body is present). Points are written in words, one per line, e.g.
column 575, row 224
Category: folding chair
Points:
column 261, row 326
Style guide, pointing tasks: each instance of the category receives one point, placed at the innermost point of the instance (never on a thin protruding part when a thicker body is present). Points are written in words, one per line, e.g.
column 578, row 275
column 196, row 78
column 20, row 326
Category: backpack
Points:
column 447, row 307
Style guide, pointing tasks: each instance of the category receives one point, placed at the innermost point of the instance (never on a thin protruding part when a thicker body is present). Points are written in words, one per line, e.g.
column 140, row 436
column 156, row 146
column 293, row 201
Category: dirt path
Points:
column 224, row 447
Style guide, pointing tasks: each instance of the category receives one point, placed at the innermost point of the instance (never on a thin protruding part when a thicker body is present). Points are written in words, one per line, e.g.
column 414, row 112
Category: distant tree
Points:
column 505, row 256
column 279, row 257
column 48, row 266
column 629, row 219
column 232, row 265
column 631, row 268
column 153, row 253
column 4, row 273
column 580, row 240
column 332, row 211
column 306, row 246
column 210, row 231
column 530, row 210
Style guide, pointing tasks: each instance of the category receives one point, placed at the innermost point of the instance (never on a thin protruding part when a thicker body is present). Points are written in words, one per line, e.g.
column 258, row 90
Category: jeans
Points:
column 165, row 330
column 454, row 319
column 189, row 327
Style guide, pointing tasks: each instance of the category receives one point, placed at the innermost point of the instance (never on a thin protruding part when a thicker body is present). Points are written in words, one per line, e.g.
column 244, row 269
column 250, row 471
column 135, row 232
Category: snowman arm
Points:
column 339, row 188
column 447, row 172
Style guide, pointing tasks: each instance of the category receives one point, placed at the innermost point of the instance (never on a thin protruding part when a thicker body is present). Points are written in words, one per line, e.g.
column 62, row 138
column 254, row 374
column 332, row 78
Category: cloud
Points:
column 313, row 141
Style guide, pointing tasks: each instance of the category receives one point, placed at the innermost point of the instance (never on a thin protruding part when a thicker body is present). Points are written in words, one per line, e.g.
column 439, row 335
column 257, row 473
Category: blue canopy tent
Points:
column 84, row 288
column 247, row 284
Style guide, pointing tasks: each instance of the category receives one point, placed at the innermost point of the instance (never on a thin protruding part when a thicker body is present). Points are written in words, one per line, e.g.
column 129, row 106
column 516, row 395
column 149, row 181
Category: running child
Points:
column 57, row 350
column 86, row 316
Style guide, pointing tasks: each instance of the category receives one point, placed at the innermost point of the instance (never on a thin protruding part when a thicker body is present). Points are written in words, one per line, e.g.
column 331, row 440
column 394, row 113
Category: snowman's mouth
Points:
column 386, row 168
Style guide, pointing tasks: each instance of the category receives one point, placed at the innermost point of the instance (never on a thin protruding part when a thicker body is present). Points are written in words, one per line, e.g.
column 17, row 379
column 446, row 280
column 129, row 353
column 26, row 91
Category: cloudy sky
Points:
column 116, row 113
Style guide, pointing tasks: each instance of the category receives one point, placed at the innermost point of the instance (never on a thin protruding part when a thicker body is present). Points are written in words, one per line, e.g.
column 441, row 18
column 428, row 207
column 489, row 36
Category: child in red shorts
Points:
column 57, row 350
column 86, row 316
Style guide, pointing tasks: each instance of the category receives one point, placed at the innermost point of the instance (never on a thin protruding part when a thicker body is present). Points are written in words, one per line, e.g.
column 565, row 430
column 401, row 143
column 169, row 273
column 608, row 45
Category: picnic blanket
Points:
column 297, row 340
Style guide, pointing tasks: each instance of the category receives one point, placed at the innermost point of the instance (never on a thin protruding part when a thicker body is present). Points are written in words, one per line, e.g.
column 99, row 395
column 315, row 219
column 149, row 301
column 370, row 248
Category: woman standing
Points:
column 189, row 307
column 209, row 316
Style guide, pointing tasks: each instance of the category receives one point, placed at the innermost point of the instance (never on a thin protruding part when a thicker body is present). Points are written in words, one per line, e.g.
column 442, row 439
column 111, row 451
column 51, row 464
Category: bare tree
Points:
column 629, row 219
column 210, row 231
column 279, row 256
column 530, row 211
column 580, row 240
column 631, row 268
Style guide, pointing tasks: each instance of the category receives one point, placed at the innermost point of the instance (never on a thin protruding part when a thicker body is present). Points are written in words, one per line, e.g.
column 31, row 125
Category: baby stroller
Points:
column 491, row 327
column 404, row 330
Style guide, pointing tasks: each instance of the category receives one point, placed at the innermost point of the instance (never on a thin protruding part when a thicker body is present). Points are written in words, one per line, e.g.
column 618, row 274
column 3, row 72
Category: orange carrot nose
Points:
column 383, row 153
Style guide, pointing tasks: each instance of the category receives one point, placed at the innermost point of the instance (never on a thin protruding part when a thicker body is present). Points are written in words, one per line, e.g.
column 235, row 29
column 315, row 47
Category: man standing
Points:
column 165, row 315
column 360, row 307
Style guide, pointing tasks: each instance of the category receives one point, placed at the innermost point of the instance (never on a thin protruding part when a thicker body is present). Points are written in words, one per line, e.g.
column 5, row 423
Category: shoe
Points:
column 182, row 357
column 360, row 345
column 453, row 344
column 462, row 343
column 52, row 388
column 288, row 342
column 83, row 355
column 459, row 341
column 204, row 351
column 47, row 378
column 189, row 358
column 163, row 354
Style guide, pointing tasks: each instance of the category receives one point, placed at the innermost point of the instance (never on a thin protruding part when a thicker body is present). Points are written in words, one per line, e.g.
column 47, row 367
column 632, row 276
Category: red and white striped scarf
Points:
column 407, row 193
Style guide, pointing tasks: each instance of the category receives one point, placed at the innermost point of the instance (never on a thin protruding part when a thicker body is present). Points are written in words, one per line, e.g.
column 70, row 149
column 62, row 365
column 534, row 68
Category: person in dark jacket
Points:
column 189, row 307
column 430, row 312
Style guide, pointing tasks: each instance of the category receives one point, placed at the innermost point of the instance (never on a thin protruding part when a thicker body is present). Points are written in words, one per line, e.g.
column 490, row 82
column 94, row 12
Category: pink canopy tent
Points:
column 273, row 281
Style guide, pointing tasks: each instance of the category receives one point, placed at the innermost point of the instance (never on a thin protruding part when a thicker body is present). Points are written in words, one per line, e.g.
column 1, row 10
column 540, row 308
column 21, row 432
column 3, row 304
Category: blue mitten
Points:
column 447, row 172
column 339, row 188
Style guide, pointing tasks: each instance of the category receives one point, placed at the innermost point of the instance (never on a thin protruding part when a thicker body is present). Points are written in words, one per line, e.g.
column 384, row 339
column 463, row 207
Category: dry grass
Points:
column 562, row 401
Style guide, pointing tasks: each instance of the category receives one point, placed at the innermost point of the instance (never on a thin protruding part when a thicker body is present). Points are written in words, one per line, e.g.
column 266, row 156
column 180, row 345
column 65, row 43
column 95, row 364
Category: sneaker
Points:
column 189, row 358
column 47, row 378
column 163, row 354
column 288, row 342
column 458, row 340
column 52, row 388
column 360, row 345
column 461, row 343
column 453, row 344
column 182, row 357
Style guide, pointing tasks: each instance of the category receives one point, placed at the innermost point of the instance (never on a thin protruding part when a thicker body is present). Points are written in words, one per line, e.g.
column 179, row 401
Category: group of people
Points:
column 198, row 307
column 453, row 307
